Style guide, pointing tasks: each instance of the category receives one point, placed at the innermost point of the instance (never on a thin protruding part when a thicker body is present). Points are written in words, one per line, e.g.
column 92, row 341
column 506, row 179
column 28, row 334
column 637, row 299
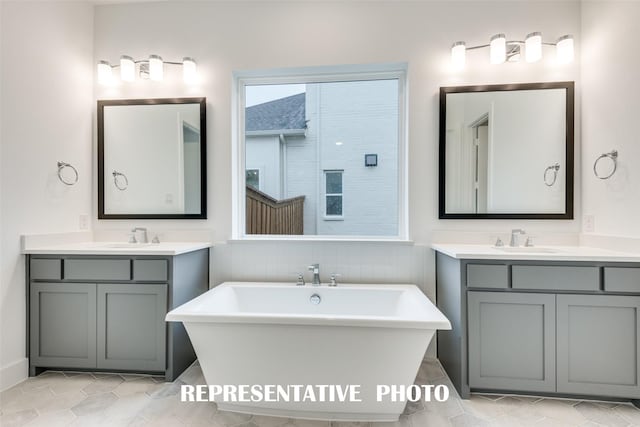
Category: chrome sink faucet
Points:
column 315, row 268
column 514, row 237
column 139, row 235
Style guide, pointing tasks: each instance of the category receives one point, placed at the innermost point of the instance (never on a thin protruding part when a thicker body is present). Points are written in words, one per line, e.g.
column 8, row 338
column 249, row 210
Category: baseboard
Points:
column 14, row 373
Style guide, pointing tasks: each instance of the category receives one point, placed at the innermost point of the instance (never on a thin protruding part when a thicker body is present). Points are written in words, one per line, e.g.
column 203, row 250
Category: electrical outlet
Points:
column 83, row 222
column 588, row 223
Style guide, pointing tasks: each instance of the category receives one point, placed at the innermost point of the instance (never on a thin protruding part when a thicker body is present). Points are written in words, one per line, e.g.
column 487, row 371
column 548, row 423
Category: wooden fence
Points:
column 266, row 215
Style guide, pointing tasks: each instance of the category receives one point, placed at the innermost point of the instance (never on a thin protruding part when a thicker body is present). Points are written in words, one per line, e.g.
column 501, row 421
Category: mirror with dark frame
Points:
column 506, row 151
column 152, row 159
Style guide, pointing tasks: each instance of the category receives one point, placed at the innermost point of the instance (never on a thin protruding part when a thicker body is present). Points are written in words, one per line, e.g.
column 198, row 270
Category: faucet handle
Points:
column 300, row 281
column 499, row 243
column 529, row 242
column 132, row 238
column 333, row 278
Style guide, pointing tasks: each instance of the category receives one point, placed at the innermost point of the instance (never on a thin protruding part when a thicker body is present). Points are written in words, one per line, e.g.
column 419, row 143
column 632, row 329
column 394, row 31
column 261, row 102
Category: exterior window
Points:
column 333, row 193
column 300, row 130
column 252, row 178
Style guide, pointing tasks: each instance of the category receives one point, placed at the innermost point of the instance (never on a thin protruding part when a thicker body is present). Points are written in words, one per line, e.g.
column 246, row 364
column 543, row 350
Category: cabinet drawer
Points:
column 559, row 278
column 46, row 269
column 487, row 276
column 622, row 279
column 154, row 270
column 97, row 269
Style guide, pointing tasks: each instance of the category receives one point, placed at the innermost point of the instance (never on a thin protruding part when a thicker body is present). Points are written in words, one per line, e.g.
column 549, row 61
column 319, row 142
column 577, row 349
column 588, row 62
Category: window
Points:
column 300, row 131
column 252, row 178
column 333, row 194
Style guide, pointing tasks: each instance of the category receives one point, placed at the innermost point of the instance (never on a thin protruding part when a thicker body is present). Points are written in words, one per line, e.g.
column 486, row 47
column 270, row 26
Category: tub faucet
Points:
column 334, row 279
column 514, row 237
column 316, row 273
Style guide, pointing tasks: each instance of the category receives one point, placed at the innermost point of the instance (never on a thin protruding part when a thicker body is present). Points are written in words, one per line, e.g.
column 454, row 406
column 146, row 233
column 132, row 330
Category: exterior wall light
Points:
column 370, row 160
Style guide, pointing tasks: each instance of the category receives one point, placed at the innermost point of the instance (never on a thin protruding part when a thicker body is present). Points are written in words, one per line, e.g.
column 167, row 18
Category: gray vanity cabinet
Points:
column 512, row 341
column 63, row 324
column 598, row 345
column 106, row 313
column 131, row 327
column 557, row 327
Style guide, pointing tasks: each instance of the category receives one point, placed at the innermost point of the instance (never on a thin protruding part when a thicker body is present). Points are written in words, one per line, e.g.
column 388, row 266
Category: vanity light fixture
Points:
column 533, row 47
column 104, row 72
column 189, row 74
column 458, row 57
column 498, row 49
column 564, row 49
column 156, row 68
column 151, row 68
column 127, row 68
column 502, row 50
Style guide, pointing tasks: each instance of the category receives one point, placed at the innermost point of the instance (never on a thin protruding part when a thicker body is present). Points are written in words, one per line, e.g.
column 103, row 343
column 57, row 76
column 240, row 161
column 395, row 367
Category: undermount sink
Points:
column 527, row 249
column 123, row 245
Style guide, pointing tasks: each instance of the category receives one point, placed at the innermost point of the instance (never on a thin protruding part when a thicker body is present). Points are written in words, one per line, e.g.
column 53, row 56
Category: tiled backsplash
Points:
column 357, row 262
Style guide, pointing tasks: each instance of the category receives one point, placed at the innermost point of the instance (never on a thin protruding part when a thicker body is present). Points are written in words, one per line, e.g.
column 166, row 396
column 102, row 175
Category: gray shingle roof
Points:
column 283, row 113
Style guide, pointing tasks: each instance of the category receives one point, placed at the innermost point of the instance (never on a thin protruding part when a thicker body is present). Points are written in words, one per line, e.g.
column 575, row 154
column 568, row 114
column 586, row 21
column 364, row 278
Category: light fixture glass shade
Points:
column 564, row 49
column 127, row 68
column 458, row 55
column 498, row 49
column 189, row 70
column 533, row 47
column 156, row 68
column 104, row 72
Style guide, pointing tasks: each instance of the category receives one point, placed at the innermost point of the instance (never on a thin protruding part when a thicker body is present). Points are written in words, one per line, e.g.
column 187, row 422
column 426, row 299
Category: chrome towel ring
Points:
column 555, row 168
column 613, row 155
column 120, row 186
column 61, row 167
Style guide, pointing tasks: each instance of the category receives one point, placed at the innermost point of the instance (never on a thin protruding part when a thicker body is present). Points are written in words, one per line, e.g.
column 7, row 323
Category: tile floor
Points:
column 87, row 400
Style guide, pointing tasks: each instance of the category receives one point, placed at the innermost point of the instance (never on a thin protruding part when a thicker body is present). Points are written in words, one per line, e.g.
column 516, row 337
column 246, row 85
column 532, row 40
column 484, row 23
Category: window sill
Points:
column 333, row 218
column 346, row 239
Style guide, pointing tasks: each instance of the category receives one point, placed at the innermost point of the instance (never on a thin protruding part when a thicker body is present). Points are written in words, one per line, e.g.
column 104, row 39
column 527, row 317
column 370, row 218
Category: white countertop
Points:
column 544, row 253
column 117, row 248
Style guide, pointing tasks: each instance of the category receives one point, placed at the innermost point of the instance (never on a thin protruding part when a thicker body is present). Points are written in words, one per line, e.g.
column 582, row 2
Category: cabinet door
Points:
column 63, row 325
column 511, row 341
column 598, row 345
column 131, row 326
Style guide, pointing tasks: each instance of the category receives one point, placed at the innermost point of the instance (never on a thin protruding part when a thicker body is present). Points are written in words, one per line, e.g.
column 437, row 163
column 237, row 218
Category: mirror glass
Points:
column 506, row 151
column 152, row 161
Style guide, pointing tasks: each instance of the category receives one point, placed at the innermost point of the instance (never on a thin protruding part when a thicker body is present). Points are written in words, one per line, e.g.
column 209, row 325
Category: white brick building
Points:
column 294, row 144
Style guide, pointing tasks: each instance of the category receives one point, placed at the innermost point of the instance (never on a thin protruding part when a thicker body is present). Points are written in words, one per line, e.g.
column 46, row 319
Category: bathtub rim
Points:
column 439, row 321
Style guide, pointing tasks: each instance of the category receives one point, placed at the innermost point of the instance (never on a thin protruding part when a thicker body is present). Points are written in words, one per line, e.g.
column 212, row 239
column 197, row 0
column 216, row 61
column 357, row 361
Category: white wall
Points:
column 46, row 103
column 611, row 102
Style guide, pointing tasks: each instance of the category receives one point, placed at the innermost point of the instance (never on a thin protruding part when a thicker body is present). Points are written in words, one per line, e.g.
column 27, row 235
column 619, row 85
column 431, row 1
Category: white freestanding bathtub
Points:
column 278, row 334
